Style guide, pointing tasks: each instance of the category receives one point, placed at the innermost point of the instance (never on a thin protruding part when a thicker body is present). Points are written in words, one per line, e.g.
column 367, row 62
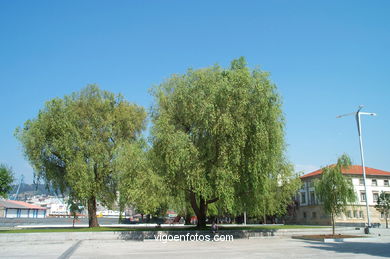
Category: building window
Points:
column 355, row 214
column 304, row 215
column 312, row 198
column 303, row 197
column 383, row 215
column 361, row 215
column 375, row 196
column 349, row 214
column 361, row 182
column 374, row 182
column 362, row 196
column 386, row 182
column 314, row 214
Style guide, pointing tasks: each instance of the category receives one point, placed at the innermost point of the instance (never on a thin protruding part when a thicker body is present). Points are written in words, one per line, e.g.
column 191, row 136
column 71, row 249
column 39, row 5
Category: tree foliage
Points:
column 334, row 190
column 279, row 189
column 72, row 144
column 139, row 185
column 383, row 205
column 218, row 135
column 6, row 180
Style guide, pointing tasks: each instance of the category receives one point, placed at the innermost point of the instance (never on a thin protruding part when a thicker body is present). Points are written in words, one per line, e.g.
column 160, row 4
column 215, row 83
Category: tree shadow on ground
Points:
column 236, row 234
column 359, row 248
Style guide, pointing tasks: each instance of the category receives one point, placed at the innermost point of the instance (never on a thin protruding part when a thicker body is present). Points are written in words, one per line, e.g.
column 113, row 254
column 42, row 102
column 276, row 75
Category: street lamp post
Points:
column 359, row 126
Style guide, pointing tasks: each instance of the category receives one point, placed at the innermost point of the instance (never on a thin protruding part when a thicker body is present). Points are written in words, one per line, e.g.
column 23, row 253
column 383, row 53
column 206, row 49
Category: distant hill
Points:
column 30, row 190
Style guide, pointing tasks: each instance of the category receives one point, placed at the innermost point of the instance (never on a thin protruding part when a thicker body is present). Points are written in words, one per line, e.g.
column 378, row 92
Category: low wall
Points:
column 12, row 222
column 150, row 235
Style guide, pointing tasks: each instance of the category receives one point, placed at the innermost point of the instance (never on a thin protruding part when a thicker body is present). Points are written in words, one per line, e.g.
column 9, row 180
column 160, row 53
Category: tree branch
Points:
column 212, row 200
column 194, row 205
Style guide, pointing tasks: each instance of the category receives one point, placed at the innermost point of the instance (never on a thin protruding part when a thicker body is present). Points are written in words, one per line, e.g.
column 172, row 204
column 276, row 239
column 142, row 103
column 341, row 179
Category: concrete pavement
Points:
column 270, row 247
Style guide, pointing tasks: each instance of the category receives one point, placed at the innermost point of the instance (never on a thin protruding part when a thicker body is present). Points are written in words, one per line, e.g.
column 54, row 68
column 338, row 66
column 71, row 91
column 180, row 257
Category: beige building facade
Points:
column 309, row 210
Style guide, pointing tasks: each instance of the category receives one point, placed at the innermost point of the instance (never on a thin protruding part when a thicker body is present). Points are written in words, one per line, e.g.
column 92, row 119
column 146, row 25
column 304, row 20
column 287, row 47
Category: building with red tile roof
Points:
column 20, row 209
column 309, row 209
column 352, row 170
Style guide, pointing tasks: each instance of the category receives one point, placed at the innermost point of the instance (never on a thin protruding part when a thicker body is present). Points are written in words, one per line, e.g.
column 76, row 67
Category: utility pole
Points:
column 359, row 126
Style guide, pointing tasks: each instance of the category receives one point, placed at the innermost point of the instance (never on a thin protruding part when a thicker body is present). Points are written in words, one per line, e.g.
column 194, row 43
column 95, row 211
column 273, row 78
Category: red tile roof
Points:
column 354, row 169
column 19, row 205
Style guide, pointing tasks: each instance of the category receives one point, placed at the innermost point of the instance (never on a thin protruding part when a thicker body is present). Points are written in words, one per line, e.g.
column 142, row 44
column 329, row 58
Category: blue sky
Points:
column 326, row 57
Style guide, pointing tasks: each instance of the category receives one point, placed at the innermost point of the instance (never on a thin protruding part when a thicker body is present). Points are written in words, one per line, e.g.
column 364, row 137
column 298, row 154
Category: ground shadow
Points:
column 131, row 235
column 236, row 234
column 359, row 248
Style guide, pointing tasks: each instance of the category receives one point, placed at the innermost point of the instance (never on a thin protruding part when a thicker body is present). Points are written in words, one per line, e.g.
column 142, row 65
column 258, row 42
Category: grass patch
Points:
column 117, row 229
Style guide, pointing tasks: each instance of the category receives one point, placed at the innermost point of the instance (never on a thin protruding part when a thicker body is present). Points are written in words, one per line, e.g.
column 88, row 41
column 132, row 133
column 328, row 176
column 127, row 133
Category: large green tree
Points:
column 139, row 186
column 278, row 191
column 6, row 179
column 72, row 144
column 334, row 190
column 218, row 136
column 383, row 206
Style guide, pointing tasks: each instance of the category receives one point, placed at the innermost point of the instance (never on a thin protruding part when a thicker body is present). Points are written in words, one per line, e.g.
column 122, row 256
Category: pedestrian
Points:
column 214, row 228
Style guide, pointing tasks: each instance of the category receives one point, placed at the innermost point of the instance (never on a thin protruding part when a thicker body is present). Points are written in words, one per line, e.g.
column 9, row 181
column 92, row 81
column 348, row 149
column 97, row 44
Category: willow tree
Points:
column 218, row 136
column 140, row 186
column 278, row 192
column 383, row 205
column 334, row 190
column 72, row 143
column 6, row 180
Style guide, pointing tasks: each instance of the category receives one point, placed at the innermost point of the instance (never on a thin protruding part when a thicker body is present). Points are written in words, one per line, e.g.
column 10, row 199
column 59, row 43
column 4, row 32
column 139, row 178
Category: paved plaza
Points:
column 274, row 247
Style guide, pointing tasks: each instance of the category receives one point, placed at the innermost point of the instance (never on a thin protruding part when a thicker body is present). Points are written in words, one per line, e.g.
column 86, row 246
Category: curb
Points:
column 336, row 240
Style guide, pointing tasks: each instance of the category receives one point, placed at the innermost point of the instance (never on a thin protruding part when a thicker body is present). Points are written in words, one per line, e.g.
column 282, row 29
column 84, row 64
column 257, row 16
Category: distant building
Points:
column 56, row 206
column 309, row 211
column 20, row 209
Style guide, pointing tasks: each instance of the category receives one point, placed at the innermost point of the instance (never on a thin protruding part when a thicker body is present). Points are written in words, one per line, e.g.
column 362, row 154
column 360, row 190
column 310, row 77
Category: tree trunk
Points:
column 92, row 219
column 200, row 211
column 188, row 219
column 333, row 227
column 387, row 221
column 121, row 210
